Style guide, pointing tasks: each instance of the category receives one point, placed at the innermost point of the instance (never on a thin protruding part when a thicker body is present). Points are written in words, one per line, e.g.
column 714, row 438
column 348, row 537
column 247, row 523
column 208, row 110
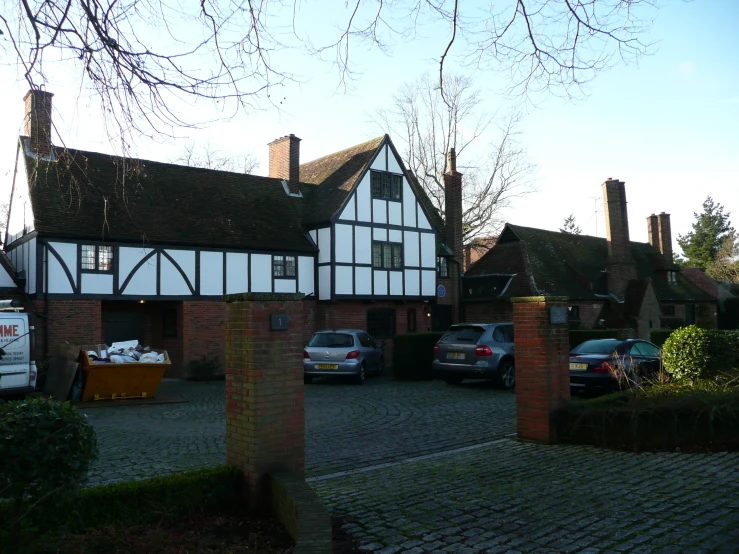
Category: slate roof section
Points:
column 560, row 264
column 102, row 197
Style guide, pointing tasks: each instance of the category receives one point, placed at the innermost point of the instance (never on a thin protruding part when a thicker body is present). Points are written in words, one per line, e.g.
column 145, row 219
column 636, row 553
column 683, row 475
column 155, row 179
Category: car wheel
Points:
column 507, row 375
column 381, row 367
column 452, row 380
column 360, row 378
column 307, row 379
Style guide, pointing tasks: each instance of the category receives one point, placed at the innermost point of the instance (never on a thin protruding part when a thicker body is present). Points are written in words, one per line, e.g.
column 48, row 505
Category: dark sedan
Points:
column 591, row 363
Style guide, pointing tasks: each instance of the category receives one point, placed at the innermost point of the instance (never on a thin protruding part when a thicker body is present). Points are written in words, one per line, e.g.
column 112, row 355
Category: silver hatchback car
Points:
column 348, row 352
column 476, row 351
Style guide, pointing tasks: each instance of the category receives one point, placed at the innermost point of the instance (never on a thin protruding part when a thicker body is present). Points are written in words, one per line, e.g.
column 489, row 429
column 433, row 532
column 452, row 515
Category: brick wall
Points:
column 203, row 324
column 353, row 315
column 649, row 315
column 487, row 312
column 542, row 368
column 74, row 321
column 265, row 419
column 589, row 312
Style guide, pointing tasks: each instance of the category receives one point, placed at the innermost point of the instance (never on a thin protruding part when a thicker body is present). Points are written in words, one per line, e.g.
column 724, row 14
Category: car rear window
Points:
column 603, row 346
column 332, row 340
column 463, row 333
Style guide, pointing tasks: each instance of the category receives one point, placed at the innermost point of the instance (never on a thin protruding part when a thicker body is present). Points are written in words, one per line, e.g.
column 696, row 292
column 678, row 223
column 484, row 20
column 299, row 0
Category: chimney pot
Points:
column 621, row 266
column 453, row 207
column 37, row 124
column 452, row 158
column 284, row 161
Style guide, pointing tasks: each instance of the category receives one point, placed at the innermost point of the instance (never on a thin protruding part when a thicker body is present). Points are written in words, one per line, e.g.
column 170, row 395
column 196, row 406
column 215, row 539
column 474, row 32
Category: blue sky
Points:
column 667, row 127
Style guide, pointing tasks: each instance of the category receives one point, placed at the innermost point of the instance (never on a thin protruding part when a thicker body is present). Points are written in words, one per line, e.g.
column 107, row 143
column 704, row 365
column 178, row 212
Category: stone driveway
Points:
column 424, row 467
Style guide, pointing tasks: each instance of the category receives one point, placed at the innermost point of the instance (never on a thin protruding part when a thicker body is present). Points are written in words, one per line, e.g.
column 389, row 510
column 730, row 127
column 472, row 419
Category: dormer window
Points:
column 672, row 277
column 386, row 185
column 96, row 258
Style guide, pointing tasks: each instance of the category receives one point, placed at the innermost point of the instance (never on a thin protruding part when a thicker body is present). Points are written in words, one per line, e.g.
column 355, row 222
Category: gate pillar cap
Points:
column 264, row 297
column 525, row 299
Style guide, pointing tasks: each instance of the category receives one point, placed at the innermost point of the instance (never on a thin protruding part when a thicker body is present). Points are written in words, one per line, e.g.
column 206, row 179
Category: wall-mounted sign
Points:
column 558, row 316
column 279, row 322
column 441, row 291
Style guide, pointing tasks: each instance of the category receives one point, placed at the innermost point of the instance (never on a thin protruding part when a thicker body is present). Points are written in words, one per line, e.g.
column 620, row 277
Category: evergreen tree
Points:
column 570, row 226
column 710, row 231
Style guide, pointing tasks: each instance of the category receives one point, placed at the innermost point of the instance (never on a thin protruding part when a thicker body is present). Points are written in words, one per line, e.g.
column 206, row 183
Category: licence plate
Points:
column 326, row 366
column 578, row 367
column 455, row 355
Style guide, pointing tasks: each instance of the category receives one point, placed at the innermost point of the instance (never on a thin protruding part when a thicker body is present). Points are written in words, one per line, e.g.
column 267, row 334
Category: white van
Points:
column 17, row 371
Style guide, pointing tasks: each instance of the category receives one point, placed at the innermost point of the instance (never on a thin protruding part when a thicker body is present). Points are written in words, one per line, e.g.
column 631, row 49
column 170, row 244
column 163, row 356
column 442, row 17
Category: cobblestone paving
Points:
column 512, row 497
column 424, row 467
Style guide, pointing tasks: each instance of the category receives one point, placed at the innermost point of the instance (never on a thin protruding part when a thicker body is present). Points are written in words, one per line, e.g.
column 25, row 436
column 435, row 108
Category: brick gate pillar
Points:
column 265, row 420
column 542, row 364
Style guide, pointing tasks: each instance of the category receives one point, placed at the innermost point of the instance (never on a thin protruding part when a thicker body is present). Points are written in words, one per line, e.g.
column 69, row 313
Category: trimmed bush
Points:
column 692, row 353
column 413, row 354
column 46, row 447
column 150, row 501
column 659, row 336
column 670, row 417
column 579, row 336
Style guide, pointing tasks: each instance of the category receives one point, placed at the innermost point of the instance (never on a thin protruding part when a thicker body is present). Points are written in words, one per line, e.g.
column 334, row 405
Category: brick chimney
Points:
column 284, row 161
column 665, row 236
column 620, row 266
column 37, row 122
column 653, row 230
column 453, row 207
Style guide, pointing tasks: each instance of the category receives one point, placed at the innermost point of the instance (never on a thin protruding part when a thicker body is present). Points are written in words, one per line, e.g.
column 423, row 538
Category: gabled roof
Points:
column 102, row 197
column 561, row 264
column 334, row 178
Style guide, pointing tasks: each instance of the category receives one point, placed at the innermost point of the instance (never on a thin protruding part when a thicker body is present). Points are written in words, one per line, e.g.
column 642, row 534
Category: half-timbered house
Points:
column 115, row 248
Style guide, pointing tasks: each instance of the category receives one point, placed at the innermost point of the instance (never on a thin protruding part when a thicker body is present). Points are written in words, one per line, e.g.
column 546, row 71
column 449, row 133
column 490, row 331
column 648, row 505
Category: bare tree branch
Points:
column 495, row 166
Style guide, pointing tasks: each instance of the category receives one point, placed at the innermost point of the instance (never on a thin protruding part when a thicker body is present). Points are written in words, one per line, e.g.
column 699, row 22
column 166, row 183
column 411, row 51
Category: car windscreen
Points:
column 463, row 333
column 331, row 340
column 603, row 346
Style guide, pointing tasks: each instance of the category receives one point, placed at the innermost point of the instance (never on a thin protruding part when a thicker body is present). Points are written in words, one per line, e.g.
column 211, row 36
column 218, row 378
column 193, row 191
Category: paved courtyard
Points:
column 424, row 467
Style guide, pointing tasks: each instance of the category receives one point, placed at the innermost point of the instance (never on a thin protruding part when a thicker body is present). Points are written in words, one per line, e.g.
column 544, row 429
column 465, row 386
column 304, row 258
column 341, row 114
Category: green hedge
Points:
column 692, row 353
column 413, row 354
column 149, row 501
column 579, row 336
column 659, row 336
column 691, row 421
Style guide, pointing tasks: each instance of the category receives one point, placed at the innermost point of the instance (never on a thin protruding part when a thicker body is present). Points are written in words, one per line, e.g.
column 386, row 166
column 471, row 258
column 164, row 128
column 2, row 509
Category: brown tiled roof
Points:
column 102, row 197
column 333, row 178
column 562, row 264
column 699, row 278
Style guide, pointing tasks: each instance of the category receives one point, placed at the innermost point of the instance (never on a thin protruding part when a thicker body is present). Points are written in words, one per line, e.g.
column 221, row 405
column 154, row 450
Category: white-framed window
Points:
column 386, row 185
column 283, row 266
column 672, row 277
column 96, row 258
column 387, row 255
column 442, row 267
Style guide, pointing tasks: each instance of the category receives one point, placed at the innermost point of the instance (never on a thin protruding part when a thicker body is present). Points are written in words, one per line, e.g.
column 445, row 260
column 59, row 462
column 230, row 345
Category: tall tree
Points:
column 725, row 267
column 138, row 54
column 495, row 165
column 570, row 226
column 710, row 230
